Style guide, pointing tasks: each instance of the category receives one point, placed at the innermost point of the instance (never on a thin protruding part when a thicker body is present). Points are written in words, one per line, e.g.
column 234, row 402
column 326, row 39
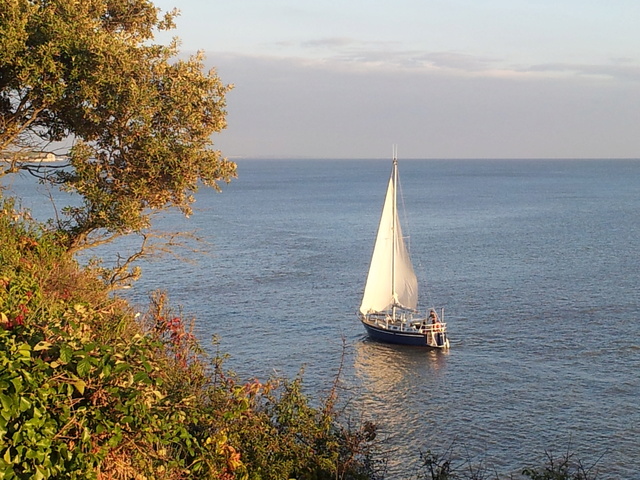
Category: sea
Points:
column 535, row 262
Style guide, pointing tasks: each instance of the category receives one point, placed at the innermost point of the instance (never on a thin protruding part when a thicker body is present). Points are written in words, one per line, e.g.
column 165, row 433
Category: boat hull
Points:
column 399, row 337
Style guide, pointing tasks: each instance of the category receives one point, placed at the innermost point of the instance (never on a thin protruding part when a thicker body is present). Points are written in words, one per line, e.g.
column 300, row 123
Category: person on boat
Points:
column 435, row 321
column 437, row 329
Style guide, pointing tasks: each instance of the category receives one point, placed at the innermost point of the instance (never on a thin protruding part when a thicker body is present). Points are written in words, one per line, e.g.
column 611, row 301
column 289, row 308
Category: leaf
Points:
column 17, row 384
column 25, row 350
column 81, row 309
column 25, row 404
column 40, row 473
column 84, row 367
column 80, row 384
column 7, row 402
column 159, row 395
column 142, row 377
column 42, row 345
column 121, row 367
column 65, row 354
column 106, row 371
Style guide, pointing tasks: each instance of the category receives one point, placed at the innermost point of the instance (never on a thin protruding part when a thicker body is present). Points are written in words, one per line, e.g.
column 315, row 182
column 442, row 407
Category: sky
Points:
column 439, row 78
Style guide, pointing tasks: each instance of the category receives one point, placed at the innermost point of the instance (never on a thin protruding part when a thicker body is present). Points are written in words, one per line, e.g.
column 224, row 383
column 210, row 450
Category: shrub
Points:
column 89, row 391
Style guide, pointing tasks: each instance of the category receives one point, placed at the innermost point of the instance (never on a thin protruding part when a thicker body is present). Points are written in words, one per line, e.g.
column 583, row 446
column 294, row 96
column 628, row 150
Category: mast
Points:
column 395, row 233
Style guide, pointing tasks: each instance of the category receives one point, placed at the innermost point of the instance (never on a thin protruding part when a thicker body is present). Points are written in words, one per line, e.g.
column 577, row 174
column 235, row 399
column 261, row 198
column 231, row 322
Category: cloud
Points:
column 614, row 70
column 459, row 61
column 350, row 53
column 331, row 43
column 457, row 106
column 367, row 53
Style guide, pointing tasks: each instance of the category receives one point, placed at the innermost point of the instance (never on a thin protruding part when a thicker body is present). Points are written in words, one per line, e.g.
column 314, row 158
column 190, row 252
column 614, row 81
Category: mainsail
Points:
column 391, row 280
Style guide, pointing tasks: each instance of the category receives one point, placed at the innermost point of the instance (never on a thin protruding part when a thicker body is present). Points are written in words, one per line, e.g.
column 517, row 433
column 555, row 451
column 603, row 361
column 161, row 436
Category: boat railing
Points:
column 439, row 327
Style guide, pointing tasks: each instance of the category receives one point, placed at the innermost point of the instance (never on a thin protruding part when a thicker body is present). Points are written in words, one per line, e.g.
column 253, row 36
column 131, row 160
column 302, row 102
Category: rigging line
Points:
column 421, row 270
column 406, row 230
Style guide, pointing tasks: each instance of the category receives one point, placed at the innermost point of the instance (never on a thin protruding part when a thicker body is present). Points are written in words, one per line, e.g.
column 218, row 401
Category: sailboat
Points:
column 389, row 303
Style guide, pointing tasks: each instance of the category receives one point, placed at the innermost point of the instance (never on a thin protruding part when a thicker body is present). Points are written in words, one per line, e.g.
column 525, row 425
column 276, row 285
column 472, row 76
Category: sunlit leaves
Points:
column 140, row 119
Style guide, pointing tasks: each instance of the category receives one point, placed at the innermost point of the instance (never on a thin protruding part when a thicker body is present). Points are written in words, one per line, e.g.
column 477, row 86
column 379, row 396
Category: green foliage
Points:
column 284, row 437
column 88, row 392
column 141, row 121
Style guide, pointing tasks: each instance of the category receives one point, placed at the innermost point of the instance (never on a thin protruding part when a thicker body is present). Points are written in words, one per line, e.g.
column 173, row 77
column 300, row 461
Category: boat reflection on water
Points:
column 389, row 365
column 398, row 385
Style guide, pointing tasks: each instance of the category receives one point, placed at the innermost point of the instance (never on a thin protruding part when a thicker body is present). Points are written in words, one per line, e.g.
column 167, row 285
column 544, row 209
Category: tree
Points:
column 138, row 120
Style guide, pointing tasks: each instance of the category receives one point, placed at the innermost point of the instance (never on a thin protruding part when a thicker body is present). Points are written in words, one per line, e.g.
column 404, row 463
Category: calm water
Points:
column 535, row 262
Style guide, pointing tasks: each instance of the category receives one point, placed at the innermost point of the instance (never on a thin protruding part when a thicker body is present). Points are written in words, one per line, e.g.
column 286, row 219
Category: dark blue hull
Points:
column 398, row 337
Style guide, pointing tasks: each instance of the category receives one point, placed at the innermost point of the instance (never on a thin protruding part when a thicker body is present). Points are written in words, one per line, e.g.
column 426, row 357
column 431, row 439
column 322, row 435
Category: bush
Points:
column 91, row 391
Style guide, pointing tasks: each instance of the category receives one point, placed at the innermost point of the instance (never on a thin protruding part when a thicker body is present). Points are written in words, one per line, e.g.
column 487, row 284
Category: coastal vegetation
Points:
column 91, row 389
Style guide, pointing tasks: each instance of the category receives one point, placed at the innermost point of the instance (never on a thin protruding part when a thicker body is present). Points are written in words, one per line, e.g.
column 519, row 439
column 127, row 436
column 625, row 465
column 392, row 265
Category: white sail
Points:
column 391, row 280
